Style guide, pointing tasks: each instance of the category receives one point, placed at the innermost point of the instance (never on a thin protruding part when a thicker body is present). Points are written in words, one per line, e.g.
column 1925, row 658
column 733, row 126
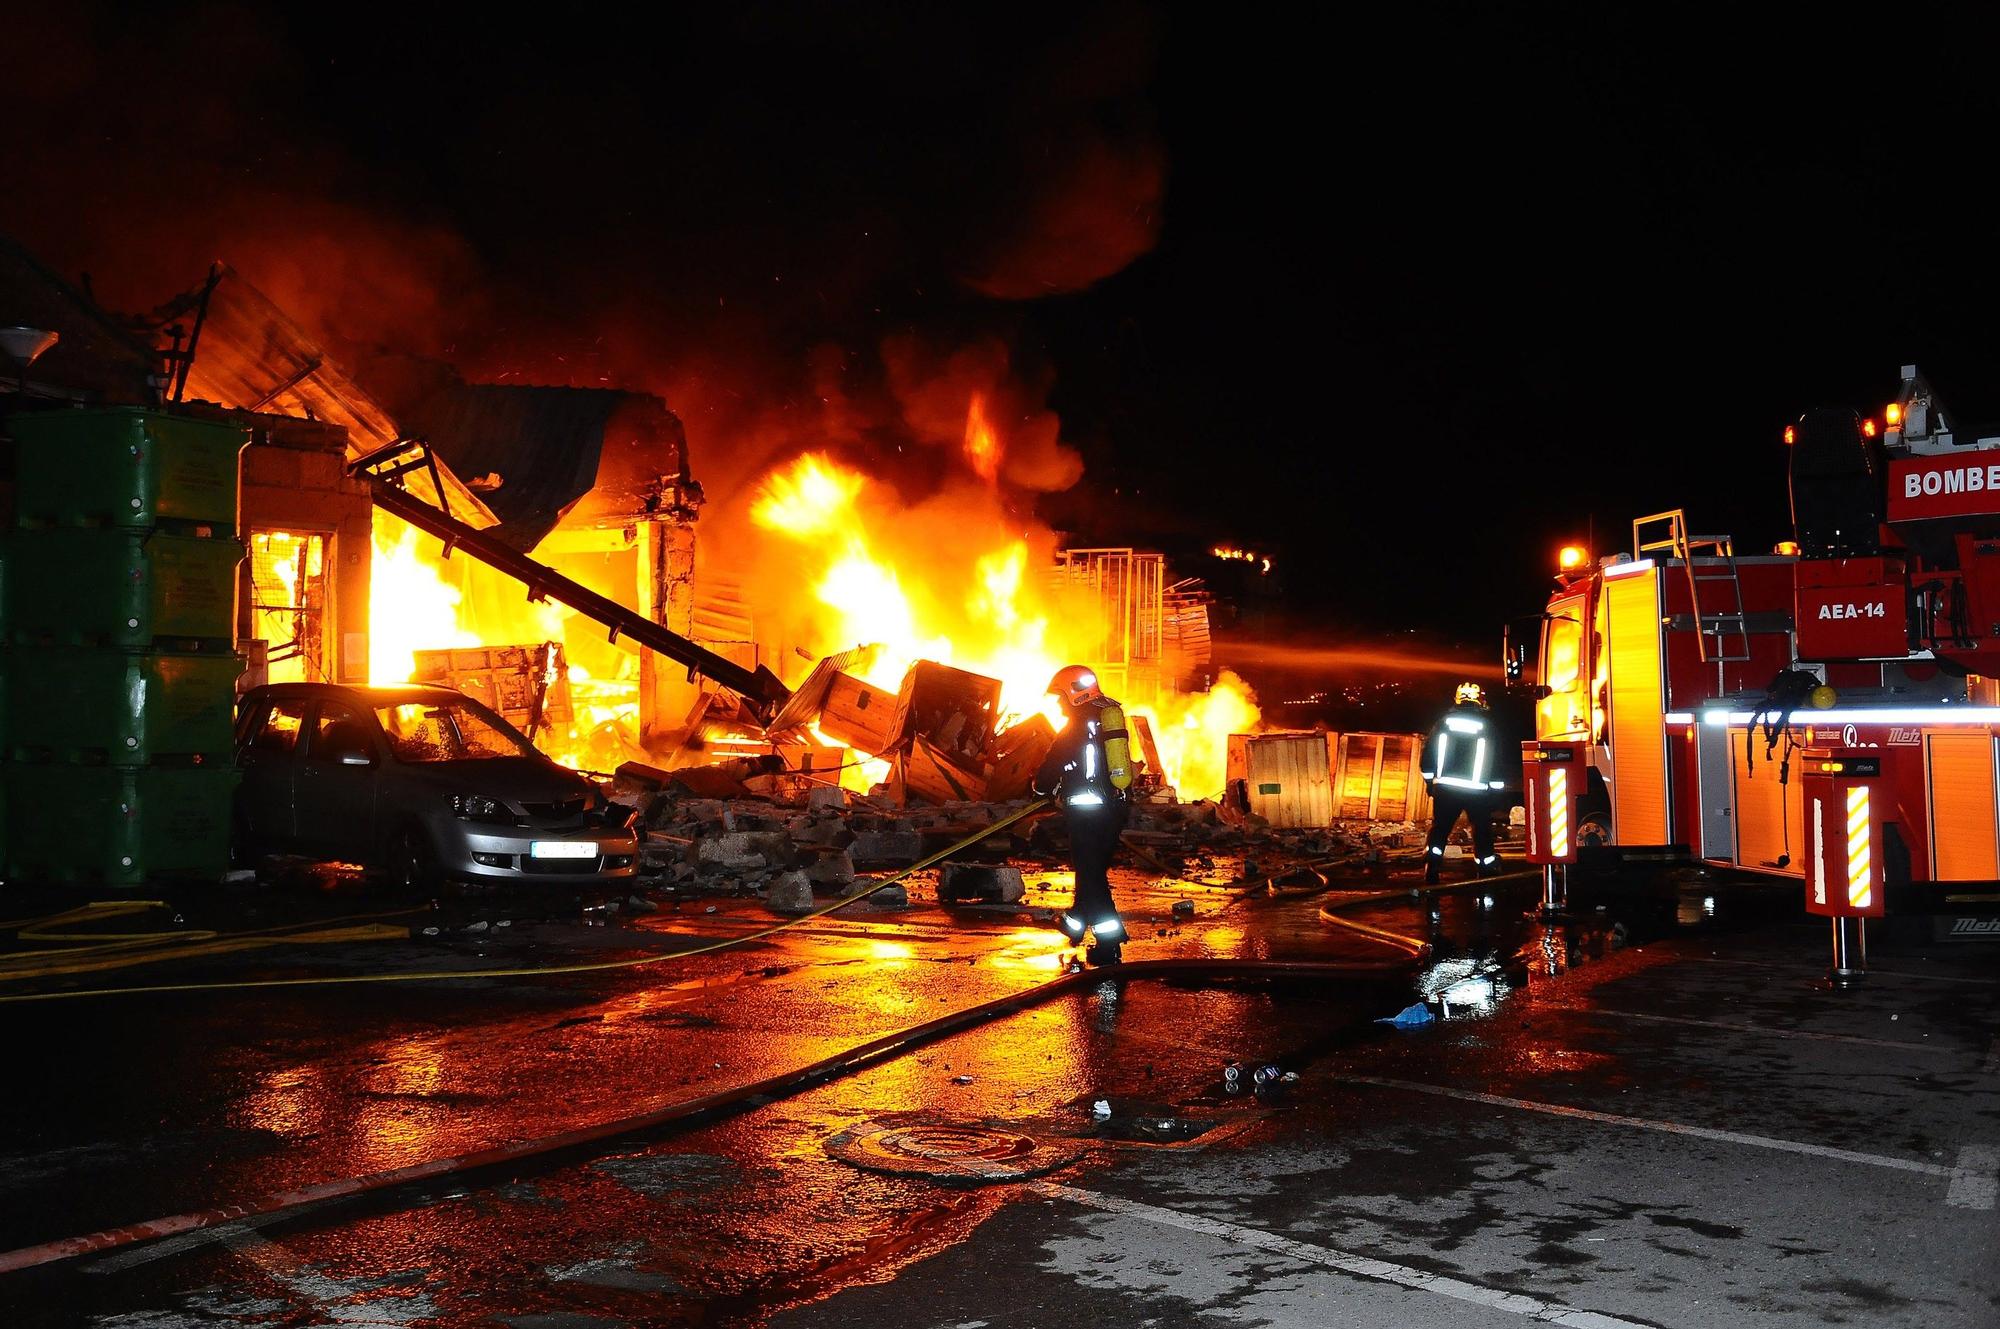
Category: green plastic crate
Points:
column 121, row 708
column 124, row 467
column 118, row 826
column 122, row 588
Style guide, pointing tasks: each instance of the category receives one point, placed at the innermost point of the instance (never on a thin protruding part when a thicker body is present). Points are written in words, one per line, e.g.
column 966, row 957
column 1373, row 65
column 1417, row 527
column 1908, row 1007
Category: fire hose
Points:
column 115, row 950
column 758, row 1093
column 755, row 1094
column 531, row 971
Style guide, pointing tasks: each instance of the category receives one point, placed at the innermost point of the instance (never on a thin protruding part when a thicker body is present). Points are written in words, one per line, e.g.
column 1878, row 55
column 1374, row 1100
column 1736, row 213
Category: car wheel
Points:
column 413, row 866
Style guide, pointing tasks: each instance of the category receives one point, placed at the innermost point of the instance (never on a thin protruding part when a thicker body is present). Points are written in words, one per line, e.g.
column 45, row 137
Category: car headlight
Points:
column 479, row 807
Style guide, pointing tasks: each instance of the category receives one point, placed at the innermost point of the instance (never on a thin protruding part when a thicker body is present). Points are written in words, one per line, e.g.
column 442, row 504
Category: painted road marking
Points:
column 1669, row 1127
column 1872, row 973
column 1769, row 1029
column 1360, row 1266
column 1975, row 1182
column 276, row 1261
column 339, row 1302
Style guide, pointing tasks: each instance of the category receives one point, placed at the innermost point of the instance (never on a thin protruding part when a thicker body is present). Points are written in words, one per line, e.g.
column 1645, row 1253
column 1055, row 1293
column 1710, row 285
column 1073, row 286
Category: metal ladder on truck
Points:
column 1722, row 636
column 761, row 690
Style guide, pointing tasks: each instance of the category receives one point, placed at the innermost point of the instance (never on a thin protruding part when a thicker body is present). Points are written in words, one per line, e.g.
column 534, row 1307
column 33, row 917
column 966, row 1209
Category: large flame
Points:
column 419, row 600
column 982, row 445
column 411, row 607
column 958, row 584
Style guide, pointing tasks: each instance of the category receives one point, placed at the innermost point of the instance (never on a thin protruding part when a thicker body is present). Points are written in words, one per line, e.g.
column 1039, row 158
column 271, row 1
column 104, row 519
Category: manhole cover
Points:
column 946, row 1152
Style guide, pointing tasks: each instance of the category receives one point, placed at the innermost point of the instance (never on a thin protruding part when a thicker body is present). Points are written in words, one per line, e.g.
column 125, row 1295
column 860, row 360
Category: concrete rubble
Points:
column 778, row 824
column 820, row 843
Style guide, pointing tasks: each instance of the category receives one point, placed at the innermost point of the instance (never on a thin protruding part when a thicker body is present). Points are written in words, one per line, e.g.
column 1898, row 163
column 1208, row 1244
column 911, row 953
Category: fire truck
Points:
column 1826, row 712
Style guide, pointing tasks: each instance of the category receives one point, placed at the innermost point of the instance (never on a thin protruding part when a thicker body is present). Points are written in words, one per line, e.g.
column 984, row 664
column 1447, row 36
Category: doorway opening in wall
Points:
column 290, row 601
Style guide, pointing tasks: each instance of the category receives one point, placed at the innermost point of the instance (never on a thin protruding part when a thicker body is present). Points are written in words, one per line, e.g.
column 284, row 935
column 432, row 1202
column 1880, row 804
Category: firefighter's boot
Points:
column 1432, row 860
column 1107, row 940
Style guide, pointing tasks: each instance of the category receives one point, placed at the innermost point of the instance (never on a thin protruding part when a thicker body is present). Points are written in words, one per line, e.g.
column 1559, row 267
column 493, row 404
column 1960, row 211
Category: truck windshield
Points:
column 423, row 731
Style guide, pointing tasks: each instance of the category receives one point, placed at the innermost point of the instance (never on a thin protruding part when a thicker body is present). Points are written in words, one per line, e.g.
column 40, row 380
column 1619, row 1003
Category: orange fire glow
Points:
column 982, row 445
column 411, row 607
column 960, row 585
column 421, row 601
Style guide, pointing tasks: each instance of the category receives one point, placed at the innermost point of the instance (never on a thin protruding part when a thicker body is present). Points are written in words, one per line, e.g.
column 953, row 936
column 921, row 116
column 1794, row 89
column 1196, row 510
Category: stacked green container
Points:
column 118, row 685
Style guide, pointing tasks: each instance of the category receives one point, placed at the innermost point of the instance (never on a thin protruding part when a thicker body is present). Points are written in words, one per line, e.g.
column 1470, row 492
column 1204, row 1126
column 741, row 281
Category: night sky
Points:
column 1411, row 304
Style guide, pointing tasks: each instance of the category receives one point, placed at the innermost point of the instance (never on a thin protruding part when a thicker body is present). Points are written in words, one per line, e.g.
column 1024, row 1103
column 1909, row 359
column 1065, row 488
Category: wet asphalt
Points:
column 1652, row 1113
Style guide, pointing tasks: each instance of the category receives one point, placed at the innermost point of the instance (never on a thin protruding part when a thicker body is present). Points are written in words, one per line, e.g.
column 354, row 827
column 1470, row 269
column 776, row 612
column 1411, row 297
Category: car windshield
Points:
column 447, row 731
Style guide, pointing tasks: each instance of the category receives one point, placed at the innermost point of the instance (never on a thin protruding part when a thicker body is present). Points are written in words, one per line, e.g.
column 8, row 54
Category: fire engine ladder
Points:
column 1723, row 635
column 384, row 468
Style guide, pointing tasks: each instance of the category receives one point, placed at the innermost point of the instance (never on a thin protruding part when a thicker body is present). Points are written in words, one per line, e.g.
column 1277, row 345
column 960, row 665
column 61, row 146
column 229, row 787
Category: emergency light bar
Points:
column 1937, row 715
column 1853, row 767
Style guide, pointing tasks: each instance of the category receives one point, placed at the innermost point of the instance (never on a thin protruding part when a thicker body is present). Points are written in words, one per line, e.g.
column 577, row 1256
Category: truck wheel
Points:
column 1593, row 828
column 413, row 865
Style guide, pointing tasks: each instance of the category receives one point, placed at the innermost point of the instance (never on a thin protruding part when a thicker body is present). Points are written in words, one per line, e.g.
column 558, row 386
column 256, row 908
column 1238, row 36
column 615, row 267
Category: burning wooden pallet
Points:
column 938, row 731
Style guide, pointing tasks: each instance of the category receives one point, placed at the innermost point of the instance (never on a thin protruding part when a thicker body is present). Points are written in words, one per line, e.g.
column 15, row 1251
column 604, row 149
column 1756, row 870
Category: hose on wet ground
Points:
column 114, row 950
column 534, row 971
column 1330, row 912
column 755, row 1094
column 758, row 1093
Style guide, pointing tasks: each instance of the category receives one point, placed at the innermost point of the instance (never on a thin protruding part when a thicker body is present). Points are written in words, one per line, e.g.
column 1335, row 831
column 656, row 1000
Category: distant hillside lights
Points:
column 1231, row 554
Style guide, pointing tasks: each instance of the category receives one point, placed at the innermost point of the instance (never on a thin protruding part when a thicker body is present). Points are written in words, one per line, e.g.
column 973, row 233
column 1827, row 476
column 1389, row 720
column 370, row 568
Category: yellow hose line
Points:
column 60, row 963
column 144, row 948
column 113, row 907
column 590, row 967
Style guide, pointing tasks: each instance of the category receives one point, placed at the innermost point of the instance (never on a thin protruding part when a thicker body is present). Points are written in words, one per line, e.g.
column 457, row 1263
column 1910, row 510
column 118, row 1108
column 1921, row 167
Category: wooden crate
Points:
column 1312, row 778
column 861, row 716
column 505, row 679
column 1021, row 750
column 953, row 709
column 925, row 773
column 1378, row 777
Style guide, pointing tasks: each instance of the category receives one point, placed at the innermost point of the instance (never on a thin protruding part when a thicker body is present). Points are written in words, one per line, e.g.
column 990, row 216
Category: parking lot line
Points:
column 1360, row 1266
column 281, row 1267
column 1667, row 1127
column 1974, row 1184
column 1872, row 973
column 1773, row 1030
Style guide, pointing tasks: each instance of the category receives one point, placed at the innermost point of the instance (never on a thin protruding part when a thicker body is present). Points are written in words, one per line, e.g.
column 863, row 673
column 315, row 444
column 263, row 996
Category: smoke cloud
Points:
column 826, row 266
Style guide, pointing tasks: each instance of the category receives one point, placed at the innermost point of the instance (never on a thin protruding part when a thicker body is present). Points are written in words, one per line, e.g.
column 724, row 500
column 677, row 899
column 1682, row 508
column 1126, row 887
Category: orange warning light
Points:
column 1892, row 414
column 1572, row 557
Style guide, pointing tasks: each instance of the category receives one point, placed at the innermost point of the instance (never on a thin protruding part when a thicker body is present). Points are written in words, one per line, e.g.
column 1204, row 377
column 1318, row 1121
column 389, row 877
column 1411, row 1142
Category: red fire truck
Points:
column 1826, row 712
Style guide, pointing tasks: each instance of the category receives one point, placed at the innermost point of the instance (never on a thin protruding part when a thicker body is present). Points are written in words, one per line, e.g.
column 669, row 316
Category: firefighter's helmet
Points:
column 1075, row 684
column 1470, row 694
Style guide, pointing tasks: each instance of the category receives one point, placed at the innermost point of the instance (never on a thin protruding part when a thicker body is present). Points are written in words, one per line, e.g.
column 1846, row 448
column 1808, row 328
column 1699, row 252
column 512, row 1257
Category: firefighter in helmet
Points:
column 1088, row 772
column 1461, row 767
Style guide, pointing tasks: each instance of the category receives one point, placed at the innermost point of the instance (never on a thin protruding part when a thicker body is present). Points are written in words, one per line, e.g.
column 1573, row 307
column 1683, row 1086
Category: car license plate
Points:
column 562, row 849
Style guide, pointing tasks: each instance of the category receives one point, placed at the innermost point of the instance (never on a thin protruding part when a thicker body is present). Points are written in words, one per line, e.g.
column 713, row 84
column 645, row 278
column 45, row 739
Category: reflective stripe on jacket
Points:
column 1463, row 751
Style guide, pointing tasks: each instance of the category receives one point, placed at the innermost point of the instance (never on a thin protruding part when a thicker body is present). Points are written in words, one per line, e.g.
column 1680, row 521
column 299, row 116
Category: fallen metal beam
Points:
column 759, row 687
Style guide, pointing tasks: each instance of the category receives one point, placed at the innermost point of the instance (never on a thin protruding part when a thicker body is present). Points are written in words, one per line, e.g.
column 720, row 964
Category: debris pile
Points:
column 825, row 844
column 777, row 823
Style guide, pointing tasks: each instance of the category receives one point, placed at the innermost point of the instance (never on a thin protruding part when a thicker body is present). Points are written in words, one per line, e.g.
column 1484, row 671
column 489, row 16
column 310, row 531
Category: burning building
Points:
column 536, row 547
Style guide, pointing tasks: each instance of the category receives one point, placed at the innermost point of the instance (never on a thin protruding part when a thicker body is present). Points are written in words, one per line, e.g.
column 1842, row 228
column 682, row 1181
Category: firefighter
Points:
column 1461, row 768
column 1088, row 772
